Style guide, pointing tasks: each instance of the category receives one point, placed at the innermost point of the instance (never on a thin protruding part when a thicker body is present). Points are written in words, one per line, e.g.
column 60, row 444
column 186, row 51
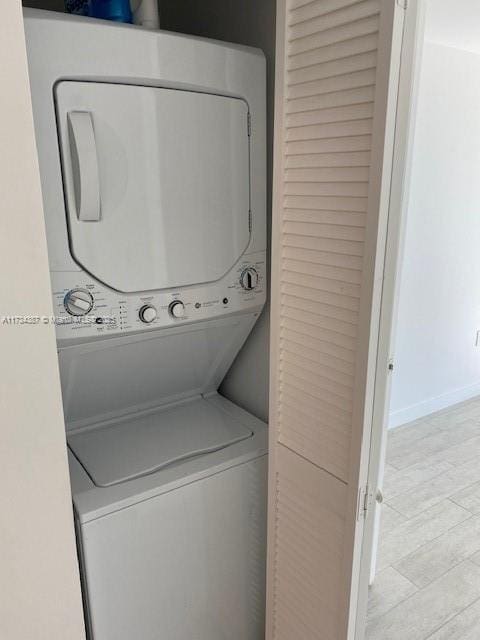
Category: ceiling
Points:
column 455, row 23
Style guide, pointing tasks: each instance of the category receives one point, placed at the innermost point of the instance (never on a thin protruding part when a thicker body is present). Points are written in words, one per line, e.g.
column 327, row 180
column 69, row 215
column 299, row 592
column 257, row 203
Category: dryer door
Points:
column 157, row 183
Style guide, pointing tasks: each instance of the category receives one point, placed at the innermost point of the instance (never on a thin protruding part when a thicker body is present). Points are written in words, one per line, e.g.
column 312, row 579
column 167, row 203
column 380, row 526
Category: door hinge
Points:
column 403, row 4
column 365, row 496
column 391, row 364
column 249, row 124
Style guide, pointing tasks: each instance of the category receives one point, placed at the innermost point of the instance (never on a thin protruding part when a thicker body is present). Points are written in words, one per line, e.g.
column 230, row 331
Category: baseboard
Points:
column 426, row 407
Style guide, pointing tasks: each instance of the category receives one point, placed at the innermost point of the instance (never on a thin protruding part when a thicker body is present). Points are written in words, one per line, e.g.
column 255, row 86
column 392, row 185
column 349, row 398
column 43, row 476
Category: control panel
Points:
column 86, row 308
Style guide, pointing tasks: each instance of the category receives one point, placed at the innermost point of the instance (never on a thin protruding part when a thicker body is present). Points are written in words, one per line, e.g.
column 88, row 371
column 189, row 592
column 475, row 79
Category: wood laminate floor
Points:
column 428, row 576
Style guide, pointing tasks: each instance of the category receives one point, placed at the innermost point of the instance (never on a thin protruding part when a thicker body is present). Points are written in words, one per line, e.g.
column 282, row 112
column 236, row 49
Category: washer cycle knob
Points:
column 147, row 313
column 249, row 278
column 78, row 302
column 177, row 309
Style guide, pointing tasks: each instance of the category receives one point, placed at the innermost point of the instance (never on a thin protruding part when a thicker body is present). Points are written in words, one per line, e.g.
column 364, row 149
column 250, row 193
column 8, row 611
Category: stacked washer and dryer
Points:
column 152, row 158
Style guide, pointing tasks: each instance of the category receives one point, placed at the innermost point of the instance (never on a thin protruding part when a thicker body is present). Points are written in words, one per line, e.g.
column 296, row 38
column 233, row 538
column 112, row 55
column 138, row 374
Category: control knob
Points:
column 177, row 309
column 147, row 313
column 249, row 278
column 78, row 302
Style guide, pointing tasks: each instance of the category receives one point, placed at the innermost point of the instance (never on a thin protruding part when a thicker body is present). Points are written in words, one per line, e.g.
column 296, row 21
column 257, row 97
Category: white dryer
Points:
column 152, row 158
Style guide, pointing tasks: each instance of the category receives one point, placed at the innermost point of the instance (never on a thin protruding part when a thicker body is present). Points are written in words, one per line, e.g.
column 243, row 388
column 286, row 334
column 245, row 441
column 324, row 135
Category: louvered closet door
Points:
column 336, row 80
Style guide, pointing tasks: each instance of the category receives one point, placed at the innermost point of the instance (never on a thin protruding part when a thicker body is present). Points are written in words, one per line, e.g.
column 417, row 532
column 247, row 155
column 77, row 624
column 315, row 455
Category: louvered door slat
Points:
column 320, row 7
column 302, row 400
column 332, row 245
column 305, row 267
column 364, row 78
column 342, row 33
column 322, row 271
column 318, row 296
column 333, row 231
column 323, row 22
column 347, row 65
column 322, row 356
column 335, row 392
column 308, row 422
column 309, row 360
column 325, row 346
column 302, row 11
column 321, row 257
column 322, row 321
column 344, row 129
column 345, row 189
column 307, row 311
column 349, row 113
column 337, row 51
column 331, row 109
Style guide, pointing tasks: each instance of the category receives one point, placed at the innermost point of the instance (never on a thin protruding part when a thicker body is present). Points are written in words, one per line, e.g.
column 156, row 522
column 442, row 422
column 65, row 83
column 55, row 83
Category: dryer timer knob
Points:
column 249, row 278
column 78, row 302
column 177, row 309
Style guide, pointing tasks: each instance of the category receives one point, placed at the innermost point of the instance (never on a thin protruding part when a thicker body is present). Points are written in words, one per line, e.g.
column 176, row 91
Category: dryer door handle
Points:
column 86, row 182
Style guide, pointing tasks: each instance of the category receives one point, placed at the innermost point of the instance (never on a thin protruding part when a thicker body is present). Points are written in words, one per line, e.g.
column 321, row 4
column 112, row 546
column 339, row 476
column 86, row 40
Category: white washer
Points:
column 152, row 158
column 178, row 553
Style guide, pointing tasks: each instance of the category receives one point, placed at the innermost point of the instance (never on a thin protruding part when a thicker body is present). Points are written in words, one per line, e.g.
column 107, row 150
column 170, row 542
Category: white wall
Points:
column 40, row 595
column 436, row 361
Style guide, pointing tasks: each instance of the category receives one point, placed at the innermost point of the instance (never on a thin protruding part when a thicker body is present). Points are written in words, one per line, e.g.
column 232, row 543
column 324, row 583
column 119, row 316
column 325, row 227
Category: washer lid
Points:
column 132, row 447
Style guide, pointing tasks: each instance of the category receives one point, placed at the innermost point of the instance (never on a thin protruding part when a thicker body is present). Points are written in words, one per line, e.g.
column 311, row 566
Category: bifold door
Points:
column 157, row 183
column 336, row 83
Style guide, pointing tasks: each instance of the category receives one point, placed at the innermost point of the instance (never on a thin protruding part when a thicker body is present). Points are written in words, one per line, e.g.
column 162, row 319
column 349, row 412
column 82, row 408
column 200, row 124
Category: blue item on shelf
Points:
column 117, row 10
column 79, row 7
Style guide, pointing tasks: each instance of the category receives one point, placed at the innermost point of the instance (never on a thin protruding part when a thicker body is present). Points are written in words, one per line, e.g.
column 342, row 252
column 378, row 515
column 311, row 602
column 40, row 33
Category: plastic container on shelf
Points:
column 117, row 10
column 78, row 7
column 145, row 13
column 141, row 12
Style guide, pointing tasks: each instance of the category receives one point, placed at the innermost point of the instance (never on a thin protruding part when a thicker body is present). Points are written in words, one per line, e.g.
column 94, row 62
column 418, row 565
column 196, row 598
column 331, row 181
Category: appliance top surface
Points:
column 248, row 440
column 135, row 446
column 32, row 15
